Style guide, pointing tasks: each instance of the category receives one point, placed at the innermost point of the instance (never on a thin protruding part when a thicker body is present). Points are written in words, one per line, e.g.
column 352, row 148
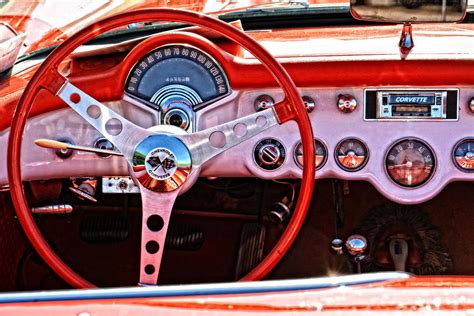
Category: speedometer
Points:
column 177, row 73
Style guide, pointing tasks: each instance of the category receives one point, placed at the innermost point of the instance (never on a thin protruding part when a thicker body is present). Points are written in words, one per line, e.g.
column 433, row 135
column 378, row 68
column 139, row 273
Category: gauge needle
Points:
column 407, row 164
column 54, row 144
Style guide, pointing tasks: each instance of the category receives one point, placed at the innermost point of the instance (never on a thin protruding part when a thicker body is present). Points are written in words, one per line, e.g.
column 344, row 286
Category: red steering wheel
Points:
column 185, row 153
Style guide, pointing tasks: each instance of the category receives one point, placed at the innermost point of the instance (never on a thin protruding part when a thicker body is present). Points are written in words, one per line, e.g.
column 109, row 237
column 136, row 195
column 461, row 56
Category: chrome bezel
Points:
column 433, row 153
column 325, row 148
column 463, row 140
column 284, row 152
column 366, row 157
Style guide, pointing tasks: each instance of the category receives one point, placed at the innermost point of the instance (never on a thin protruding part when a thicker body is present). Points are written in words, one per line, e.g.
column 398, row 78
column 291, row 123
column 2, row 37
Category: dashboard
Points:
column 409, row 141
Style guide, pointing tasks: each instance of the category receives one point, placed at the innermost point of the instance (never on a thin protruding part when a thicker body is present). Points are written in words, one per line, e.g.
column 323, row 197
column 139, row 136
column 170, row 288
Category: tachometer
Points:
column 410, row 162
column 177, row 73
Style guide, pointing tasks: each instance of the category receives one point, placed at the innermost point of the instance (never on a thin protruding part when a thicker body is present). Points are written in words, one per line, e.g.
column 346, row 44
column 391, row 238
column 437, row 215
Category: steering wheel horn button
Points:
column 161, row 163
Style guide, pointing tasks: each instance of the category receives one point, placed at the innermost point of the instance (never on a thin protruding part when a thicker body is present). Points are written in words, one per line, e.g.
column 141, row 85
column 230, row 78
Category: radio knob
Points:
column 346, row 103
column 263, row 102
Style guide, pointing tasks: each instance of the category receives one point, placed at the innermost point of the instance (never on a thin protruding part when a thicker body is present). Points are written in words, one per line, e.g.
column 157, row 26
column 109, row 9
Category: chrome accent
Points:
column 263, row 102
column 320, row 160
column 351, row 155
column 184, row 120
column 52, row 209
column 279, row 213
column 346, row 103
column 210, row 142
column 467, row 160
column 356, row 245
column 406, row 43
column 309, row 103
column 159, row 169
column 412, row 119
column 336, row 245
column 5, row 188
column 175, row 92
column 65, row 153
column 119, row 185
column 82, row 195
column 122, row 133
column 269, row 154
column 471, row 105
column 106, row 148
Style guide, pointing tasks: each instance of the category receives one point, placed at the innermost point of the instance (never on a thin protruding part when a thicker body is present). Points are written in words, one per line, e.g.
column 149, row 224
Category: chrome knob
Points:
column 309, row 103
column 269, row 154
column 470, row 105
column 346, row 103
column 336, row 245
column 356, row 245
column 104, row 144
column 263, row 102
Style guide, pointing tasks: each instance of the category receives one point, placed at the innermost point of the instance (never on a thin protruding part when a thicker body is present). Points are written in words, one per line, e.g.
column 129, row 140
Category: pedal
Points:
column 104, row 228
column 252, row 241
column 185, row 237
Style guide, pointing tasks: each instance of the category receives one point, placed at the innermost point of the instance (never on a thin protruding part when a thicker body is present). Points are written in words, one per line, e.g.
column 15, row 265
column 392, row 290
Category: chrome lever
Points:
column 54, row 144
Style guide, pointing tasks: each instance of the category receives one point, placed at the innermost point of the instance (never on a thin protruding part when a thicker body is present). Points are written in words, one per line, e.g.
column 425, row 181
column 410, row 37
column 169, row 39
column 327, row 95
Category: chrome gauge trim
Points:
column 285, row 153
column 435, row 162
column 208, row 56
column 367, row 156
column 324, row 146
column 459, row 143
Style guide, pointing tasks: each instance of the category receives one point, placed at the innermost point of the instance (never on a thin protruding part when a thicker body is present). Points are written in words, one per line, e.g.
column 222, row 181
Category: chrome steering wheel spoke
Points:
column 119, row 131
column 210, row 142
column 156, row 215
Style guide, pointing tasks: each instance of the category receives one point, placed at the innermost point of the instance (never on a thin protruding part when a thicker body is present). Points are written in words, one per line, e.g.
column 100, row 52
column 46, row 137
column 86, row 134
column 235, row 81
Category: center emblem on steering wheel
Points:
column 161, row 163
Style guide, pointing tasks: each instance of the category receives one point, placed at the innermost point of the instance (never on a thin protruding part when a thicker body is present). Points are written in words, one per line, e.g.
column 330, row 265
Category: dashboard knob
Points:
column 263, row 102
column 470, row 105
column 309, row 103
column 269, row 154
column 346, row 103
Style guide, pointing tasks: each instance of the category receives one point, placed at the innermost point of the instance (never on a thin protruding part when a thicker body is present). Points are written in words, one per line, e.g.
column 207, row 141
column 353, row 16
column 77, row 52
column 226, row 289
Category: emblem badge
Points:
column 161, row 163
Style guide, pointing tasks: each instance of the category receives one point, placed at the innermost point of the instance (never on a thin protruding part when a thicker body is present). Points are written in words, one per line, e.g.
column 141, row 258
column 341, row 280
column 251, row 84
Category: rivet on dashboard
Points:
column 346, row 103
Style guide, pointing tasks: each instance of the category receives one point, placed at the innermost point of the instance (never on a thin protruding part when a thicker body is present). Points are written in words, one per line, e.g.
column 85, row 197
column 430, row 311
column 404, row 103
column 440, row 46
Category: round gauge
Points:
column 269, row 154
column 463, row 155
column 410, row 162
column 320, row 157
column 351, row 154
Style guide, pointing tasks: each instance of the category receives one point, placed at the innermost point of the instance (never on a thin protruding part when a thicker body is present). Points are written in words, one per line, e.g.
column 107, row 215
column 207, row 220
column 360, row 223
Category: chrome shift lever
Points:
column 356, row 246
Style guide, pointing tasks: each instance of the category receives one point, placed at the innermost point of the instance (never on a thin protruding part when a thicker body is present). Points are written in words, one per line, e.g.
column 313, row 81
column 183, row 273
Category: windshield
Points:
column 49, row 22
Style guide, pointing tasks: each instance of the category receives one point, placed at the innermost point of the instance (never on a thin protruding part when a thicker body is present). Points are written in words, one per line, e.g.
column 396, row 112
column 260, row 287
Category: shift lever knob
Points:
column 356, row 245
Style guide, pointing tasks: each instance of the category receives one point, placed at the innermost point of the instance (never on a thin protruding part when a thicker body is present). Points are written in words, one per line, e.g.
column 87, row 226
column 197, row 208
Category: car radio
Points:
column 411, row 104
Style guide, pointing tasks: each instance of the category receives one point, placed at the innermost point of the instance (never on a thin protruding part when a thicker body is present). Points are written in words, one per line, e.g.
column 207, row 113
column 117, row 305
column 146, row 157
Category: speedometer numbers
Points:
column 463, row 155
column 410, row 162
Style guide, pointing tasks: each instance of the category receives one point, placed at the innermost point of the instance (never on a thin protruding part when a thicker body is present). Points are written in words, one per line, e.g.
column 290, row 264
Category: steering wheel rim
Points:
column 46, row 77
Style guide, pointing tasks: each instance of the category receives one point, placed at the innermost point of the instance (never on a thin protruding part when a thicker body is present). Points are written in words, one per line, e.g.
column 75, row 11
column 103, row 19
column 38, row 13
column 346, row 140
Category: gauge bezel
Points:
column 463, row 140
column 325, row 147
column 271, row 138
column 367, row 157
column 425, row 143
column 197, row 107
